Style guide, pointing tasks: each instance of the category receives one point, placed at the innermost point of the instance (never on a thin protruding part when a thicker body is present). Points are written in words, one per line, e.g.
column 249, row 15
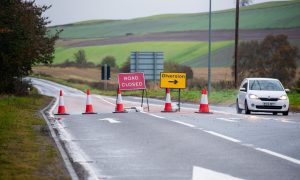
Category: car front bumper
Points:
column 268, row 106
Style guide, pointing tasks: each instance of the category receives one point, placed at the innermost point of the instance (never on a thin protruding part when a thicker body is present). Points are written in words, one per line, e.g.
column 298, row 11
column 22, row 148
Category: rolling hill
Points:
column 183, row 37
column 271, row 15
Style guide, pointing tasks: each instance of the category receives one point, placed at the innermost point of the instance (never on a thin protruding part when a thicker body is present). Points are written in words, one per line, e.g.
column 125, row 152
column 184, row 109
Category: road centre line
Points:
column 186, row 124
column 155, row 115
column 296, row 161
column 99, row 97
column 227, row 120
column 223, row 136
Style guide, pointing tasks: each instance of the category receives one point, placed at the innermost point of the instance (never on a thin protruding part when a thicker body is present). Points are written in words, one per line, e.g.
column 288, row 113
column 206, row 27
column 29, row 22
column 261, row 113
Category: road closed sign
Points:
column 173, row 80
column 131, row 81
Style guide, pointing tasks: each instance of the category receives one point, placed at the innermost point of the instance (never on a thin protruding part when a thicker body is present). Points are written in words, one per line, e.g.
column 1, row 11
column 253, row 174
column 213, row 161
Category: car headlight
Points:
column 252, row 96
column 283, row 97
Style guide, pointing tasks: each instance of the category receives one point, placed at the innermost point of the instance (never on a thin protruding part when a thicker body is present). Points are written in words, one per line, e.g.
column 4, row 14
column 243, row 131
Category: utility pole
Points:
column 237, row 14
column 209, row 49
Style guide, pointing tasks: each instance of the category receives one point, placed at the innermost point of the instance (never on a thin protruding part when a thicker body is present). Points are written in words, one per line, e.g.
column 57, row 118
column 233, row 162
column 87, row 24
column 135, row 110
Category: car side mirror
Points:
column 287, row 90
column 243, row 89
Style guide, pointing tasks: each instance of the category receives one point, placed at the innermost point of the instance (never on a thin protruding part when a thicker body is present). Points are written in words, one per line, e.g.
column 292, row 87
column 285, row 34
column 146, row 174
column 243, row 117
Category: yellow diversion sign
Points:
column 173, row 80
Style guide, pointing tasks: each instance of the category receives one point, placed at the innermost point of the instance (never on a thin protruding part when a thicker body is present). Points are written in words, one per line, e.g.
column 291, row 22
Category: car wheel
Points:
column 285, row 113
column 247, row 111
column 238, row 109
column 274, row 113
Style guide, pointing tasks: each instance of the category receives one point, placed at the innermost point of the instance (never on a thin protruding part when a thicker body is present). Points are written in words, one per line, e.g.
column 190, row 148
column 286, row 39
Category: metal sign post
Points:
column 105, row 74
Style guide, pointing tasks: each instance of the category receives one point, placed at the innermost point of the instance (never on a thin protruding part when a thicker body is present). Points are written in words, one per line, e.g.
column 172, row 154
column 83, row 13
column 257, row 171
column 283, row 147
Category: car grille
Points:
column 269, row 99
column 269, row 107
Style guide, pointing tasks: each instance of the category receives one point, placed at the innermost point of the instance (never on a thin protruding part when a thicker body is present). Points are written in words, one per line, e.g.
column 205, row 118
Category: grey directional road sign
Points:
column 150, row 63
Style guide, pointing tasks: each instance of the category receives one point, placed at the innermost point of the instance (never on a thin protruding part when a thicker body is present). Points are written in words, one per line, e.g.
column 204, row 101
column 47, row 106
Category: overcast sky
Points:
column 68, row 11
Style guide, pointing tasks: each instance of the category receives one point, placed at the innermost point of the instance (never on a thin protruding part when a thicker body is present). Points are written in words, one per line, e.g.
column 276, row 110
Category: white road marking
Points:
column 248, row 145
column 202, row 173
column 51, row 114
column 156, row 116
column 227, row 119
column 99, row 97
column 223, row 136
column 296, row 161
column 110, row 120
column 186, row 124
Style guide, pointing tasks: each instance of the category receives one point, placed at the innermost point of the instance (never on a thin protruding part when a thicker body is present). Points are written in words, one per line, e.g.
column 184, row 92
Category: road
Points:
column 182, row 145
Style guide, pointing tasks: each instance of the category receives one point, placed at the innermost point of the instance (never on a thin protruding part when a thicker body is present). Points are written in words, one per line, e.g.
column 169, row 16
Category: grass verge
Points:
column 26, row 150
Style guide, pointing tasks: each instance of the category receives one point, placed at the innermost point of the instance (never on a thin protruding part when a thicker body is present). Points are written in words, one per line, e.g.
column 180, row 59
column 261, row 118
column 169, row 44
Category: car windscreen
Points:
column 265, row 85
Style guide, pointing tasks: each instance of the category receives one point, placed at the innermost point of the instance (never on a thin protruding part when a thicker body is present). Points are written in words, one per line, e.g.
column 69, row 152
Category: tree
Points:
column 80, row 57
column 245, row 2
column 126, row 66
column 25, row 41
column 274, row 57
column 109, row 60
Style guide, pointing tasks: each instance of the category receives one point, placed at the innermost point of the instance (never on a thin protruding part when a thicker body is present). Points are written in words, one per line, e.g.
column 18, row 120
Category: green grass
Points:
column 26, row 151
column 180, row 52
column 283, row 14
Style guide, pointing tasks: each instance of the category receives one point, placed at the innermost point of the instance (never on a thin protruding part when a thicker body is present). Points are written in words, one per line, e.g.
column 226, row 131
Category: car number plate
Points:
column 269, row 104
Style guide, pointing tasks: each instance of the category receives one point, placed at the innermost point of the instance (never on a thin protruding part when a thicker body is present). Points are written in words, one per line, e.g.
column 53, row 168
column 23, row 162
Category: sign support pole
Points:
column 147, row 100
column 143, row 98
column 145, row 90
column 179, row 100
column 105, row 76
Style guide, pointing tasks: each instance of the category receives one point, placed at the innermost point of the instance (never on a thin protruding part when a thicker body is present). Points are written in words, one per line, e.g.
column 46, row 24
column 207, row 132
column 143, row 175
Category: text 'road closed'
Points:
column 131, row 81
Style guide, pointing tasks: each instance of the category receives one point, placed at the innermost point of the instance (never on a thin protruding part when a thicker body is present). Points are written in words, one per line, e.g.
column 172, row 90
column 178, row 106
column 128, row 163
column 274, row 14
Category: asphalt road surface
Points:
column 180, row 145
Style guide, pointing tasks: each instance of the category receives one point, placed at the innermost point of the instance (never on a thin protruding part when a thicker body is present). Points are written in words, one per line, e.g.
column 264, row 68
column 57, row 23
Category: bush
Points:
column 109, row 60
column 274, row 57
column 171, row 66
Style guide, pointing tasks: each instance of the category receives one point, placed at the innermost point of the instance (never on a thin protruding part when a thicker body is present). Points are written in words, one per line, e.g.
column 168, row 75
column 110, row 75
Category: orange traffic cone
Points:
column 203, row 107
column 89, row 106
column 119, row 103
column 61, row 106
column 168, row 103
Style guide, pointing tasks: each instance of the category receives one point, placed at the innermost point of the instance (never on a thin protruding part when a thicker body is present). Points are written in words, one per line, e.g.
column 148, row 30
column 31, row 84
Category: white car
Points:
column 262, row 95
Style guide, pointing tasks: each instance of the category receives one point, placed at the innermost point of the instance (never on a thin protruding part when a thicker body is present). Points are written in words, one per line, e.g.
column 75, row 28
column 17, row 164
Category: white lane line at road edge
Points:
column 296, row 161
column 223, row 136
column 200, row 173
column 183, row 123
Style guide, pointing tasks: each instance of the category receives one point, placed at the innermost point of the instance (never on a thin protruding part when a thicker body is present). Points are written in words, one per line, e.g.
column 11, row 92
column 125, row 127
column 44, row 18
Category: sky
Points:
column 69, row 11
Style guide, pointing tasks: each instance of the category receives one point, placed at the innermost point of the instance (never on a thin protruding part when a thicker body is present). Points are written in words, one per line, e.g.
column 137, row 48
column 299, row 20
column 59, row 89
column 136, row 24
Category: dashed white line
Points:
column 296, row 161
column 223, row 136
column 156, row 116
column 227, row 120
column 183, row 123
column 99, row 97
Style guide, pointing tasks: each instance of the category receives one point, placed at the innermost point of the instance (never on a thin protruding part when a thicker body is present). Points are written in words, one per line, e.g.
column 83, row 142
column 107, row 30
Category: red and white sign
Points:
column 131, row 81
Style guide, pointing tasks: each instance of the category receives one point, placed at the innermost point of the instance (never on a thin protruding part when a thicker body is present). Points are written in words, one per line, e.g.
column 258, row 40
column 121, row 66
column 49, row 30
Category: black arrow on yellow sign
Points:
column 175, row 81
